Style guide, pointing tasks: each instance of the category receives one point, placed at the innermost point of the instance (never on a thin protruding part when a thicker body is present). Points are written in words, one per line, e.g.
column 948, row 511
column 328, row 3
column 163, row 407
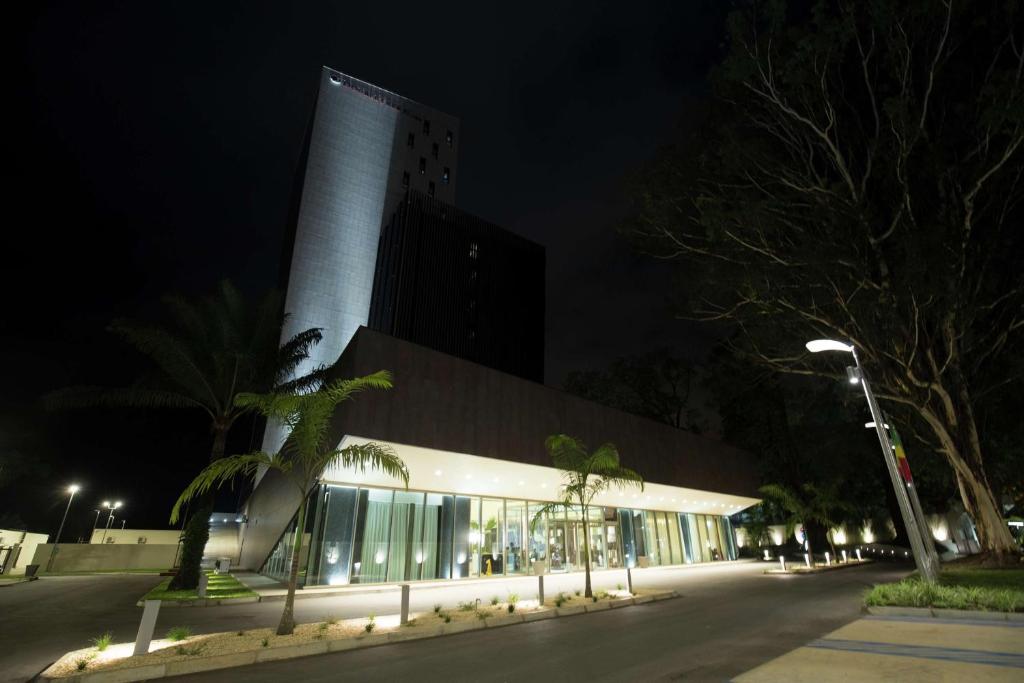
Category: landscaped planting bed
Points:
column 998, row 590
column 189, row 653
column 218, row 587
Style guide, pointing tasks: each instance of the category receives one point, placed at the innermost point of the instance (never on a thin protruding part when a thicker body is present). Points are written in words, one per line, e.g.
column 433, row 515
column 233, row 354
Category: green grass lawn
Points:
column 218, row 586
column 997, row 590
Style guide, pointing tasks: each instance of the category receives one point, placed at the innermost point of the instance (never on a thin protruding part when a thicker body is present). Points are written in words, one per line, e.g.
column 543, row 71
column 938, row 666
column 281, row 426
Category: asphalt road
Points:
column 730, row 619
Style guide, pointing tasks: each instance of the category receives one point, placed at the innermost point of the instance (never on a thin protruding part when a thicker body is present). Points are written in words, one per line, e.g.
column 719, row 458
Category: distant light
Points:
column 74, row 488
column 871, row 425
column 819, row 345
column 521, row 483
column 437, row 473
column 469, row 476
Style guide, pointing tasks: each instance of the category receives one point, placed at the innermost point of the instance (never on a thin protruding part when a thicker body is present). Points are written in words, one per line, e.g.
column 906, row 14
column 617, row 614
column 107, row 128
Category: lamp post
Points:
column 915, row 501
column 110, row 518
column 856, row 375
column 72, row 490
column 95, row 524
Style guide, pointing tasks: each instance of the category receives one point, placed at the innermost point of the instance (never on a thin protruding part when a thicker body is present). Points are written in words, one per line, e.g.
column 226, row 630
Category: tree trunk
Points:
column 957, row 434
column 197, row 528
column 587, row 592
column 287, row 625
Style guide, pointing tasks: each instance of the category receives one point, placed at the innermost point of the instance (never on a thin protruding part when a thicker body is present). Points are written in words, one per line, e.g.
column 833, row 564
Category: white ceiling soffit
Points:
column 472, row 475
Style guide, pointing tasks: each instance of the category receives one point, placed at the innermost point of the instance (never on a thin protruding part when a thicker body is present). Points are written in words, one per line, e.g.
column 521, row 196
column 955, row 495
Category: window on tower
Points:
column 446, row 175
column 449, row 138
column 411, row 140
column 423, row 165
column 426, row 126
column 405, row 179
column 433, row 150
column 430, row 189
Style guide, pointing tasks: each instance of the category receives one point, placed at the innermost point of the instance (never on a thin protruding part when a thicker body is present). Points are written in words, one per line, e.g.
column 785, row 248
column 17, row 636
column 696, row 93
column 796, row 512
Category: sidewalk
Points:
column 877, row 648
column 270, row 589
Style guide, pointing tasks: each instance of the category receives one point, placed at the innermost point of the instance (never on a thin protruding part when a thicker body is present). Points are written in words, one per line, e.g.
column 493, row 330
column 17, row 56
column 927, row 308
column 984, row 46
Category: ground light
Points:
column 72, row 490
column 921, row 557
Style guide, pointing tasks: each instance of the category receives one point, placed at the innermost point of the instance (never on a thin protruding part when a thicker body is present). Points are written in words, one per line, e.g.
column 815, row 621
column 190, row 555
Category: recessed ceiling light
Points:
column 469, row 476
column 437, row 473
column 495, row 480
column 521, row 483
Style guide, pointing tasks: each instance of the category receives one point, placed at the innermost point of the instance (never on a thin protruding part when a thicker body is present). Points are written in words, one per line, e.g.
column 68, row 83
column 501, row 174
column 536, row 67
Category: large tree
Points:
column 209, row 352
column 860, row 178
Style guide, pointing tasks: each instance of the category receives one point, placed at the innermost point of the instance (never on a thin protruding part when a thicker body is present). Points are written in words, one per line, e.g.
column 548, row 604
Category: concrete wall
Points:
column 75, row 557
column 132, row 536
column 28, row 543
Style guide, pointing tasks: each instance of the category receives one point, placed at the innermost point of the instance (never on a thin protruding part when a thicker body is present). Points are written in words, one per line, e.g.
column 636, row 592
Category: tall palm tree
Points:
column 212, row 350
column 586, row 475
column 303, row 457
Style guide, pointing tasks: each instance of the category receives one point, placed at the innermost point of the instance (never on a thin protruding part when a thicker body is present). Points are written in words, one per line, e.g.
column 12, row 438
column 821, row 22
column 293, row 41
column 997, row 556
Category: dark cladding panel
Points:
column 450, row 281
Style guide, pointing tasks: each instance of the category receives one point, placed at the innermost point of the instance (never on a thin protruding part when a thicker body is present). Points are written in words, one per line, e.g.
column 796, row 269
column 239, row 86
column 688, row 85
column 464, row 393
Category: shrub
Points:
column 513, row 598
column 371, row 624
column 437, row 608
column 191, row 651
column 495, row 600
column 265, row 642
column 577, row 593
column 82, row 662
column 240, row 633
column 331, row 619
column 447, row 618
column 482, row 615
column 177, row 633
column 602, row 594
column 593, row 598
column 511, row 607
column 103, row 642
column 618, row 586
column 411, row 622
column 467, row 606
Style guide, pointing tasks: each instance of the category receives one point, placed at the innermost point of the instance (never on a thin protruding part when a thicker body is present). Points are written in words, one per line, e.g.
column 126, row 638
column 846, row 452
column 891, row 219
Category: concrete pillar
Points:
column 146, row 626
column 540, row 588
column 629, row 580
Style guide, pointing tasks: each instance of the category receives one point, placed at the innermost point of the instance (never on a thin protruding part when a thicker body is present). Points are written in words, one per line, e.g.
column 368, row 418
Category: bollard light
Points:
column 782, row 562
column 858, row 555
column 766, row 556
column 807, row 560
column 844, row 557
column 828, row 559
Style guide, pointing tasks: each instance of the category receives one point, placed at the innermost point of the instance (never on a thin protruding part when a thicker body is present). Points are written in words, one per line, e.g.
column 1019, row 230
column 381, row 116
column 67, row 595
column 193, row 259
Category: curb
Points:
column 942, row 613
column 206, row 602
column 319, row 647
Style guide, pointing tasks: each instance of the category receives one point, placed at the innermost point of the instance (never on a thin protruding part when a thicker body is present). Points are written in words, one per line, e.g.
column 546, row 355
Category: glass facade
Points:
column 370, row 535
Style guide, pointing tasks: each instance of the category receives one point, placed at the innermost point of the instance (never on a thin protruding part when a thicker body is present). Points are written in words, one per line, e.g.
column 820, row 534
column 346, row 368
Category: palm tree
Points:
column 813, row 504
column 303, row 457
column 214, row 349
column 585, row 475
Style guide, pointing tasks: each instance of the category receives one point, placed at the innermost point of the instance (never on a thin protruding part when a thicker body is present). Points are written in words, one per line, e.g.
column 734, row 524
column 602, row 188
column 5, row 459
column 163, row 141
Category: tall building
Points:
column 366, row 146
column 457, row 284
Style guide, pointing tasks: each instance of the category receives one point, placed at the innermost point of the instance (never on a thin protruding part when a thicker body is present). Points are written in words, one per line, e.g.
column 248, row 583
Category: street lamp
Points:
column 72, row 490
column 110, row 518
column 856, row 375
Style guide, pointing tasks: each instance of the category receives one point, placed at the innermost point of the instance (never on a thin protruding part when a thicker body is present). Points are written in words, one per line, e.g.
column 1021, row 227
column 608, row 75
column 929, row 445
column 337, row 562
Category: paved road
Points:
column 730, row 619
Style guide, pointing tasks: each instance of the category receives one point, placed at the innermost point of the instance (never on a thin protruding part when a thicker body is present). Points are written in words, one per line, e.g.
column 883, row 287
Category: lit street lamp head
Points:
column 852, row 375
column 74, row 488
column 819, row 345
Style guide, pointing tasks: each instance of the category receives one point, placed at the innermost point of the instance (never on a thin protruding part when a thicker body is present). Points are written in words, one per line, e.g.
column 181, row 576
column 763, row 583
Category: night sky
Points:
column 154, row 150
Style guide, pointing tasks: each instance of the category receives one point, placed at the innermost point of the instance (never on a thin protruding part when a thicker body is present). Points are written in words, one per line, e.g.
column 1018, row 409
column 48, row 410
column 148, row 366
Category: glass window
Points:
column 653, row 556
column 373, row 524
column 673, row 535
column 538, row 551
column 434, row 150
column 464, row 538
column 332, row 556
column 446, row 175
column 687, row 541
column 405, row 549
column 426, row 126
column 492, row 546
column 626, row 530
column 449, row 138
column 430, row 189
column 664, row 545
column 515, row 536
column 411, row 140
column 423, row 165
column 714, row 538
column 640, row 538
column 436, row 546
column 405, row 179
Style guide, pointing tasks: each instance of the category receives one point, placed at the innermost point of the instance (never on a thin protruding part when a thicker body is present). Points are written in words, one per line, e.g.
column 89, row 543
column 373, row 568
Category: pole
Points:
column 110, row 518
column 53, row 550
column 921, row 558
column 95, row 523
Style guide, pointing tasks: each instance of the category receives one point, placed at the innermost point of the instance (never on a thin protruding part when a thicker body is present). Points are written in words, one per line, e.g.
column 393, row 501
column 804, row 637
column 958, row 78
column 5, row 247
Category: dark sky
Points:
column 154, row 147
